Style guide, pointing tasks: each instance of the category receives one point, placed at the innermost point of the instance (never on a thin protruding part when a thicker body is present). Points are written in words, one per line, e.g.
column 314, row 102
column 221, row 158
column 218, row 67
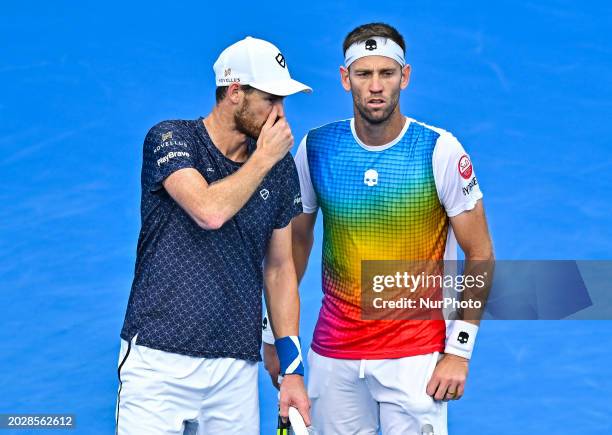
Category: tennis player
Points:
column 389, row 188
column 218, row 196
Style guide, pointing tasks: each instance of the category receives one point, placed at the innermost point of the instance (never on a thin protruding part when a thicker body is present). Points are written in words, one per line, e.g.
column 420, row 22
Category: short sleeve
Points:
column 456, row 182
column 167, row 148
column 267, row 336
column 291, row 198
column 309, row 197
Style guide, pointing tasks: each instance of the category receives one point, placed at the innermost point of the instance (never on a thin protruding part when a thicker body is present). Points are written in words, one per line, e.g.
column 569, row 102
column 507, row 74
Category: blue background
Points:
column 525, row 86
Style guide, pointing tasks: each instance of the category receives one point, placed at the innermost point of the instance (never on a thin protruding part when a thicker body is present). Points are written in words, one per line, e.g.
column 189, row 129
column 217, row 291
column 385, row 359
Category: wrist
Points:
column 261, row 160
column 289, row 350
column 456, row 358
column 461, row 339
column 296, row 376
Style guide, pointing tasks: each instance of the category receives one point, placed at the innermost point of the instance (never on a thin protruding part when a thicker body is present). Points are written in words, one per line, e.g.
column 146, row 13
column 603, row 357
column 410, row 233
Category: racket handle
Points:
column 282, row 428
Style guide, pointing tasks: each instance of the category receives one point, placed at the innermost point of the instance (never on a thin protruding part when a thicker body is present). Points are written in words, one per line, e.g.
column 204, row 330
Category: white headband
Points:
column 377, row 46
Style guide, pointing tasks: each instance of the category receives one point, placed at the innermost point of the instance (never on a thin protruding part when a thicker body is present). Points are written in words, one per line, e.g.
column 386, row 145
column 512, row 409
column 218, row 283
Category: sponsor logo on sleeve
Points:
column 171, row 155
column 169, row 143
column 465, row 167
column 264, row 193
column 469, row 187
column 297, row 199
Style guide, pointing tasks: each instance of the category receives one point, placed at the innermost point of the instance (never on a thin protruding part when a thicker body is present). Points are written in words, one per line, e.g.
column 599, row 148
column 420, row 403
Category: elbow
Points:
column 489, row 251
column 482, row 254
column 305, row 242
column 210, row 221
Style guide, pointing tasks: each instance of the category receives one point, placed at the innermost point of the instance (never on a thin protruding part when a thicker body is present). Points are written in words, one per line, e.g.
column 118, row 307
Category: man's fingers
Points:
column 304, row 408
column 441, row 391
column 456, row 385
column 281, row 127
column 271, row 119
column 284, row 408
column 454, row 390
column 432, row 386
column 460, row 390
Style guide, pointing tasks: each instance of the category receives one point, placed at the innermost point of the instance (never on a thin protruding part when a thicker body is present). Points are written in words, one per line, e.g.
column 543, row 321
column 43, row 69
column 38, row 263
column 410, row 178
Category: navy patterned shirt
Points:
column 197, row 292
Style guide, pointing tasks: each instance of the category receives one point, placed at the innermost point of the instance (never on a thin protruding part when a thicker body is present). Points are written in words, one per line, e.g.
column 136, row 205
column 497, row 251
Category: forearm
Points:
column 301, row 252
column 224, row 198
column 302, row 240
column 282, row 299
column 472, row 233
column 479, row 265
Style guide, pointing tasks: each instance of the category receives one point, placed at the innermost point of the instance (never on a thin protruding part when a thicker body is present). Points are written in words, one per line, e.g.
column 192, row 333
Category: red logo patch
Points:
column 465, row 167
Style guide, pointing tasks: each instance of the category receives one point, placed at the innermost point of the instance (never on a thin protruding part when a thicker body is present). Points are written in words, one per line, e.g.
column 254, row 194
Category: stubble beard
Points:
column 245, row 122
column 379, row 118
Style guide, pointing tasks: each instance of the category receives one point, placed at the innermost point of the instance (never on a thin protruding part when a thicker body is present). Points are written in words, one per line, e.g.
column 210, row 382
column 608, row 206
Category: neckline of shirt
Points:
column 204, row 133
column 377, row 148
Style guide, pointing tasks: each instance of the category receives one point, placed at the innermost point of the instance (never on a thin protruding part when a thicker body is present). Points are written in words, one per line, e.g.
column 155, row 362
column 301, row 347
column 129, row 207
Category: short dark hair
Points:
column 221, row 91
column 367, row 31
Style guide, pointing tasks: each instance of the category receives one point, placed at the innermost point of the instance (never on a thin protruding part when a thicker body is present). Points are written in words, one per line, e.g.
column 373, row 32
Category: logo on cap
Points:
column 227, row 72
column 281, row 60
column 370, row 45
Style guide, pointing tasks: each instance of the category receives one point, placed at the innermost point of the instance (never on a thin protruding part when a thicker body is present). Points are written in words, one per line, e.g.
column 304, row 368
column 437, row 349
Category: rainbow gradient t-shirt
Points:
column 388, row 202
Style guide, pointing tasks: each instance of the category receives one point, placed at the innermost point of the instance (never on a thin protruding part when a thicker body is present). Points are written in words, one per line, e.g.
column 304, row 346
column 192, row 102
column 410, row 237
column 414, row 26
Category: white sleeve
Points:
column 267, row 336
column 456, row 182
column 309, row 197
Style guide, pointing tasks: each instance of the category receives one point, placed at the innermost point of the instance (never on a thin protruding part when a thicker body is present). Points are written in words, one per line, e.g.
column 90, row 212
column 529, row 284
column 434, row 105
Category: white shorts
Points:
column 167, row 393
column 351, row 397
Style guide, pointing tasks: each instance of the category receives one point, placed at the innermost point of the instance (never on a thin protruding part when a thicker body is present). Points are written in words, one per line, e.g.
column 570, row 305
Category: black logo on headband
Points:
column 281, row 60
column 370, row 45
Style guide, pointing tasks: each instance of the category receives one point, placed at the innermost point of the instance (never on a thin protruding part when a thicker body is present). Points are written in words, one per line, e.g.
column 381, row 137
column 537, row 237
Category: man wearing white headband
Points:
column 218, row 196
column 389, row 188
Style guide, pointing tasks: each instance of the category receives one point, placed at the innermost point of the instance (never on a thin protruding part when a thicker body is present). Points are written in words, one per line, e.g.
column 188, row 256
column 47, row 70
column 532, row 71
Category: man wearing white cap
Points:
column 389, row 188
column 218, row 196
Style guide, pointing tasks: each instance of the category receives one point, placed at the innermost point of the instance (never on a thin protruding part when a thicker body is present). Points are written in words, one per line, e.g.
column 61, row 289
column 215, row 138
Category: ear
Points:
column 234, row 94
column 405, row 76
column 344, row 78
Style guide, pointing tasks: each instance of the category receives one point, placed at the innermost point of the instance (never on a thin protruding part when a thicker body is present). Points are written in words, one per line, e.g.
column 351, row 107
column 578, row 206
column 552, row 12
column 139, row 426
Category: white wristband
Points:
column 461, row 338
column 267, row 336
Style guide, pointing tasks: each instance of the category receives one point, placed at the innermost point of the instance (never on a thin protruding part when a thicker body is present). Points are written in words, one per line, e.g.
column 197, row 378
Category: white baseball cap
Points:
column 259, row 64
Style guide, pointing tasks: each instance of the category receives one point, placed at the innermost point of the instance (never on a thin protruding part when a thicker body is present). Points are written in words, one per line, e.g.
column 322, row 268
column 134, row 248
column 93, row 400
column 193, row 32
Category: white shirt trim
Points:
column 309, row 197
column 386, row 146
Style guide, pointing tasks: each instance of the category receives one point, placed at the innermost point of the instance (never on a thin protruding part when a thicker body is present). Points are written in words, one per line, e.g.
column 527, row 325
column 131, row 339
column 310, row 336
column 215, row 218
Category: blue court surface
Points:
column 525, row 85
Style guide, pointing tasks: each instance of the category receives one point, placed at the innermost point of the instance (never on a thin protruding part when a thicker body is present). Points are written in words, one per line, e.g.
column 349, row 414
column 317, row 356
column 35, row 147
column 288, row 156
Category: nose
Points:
column 376, row 84
column 280, row 107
